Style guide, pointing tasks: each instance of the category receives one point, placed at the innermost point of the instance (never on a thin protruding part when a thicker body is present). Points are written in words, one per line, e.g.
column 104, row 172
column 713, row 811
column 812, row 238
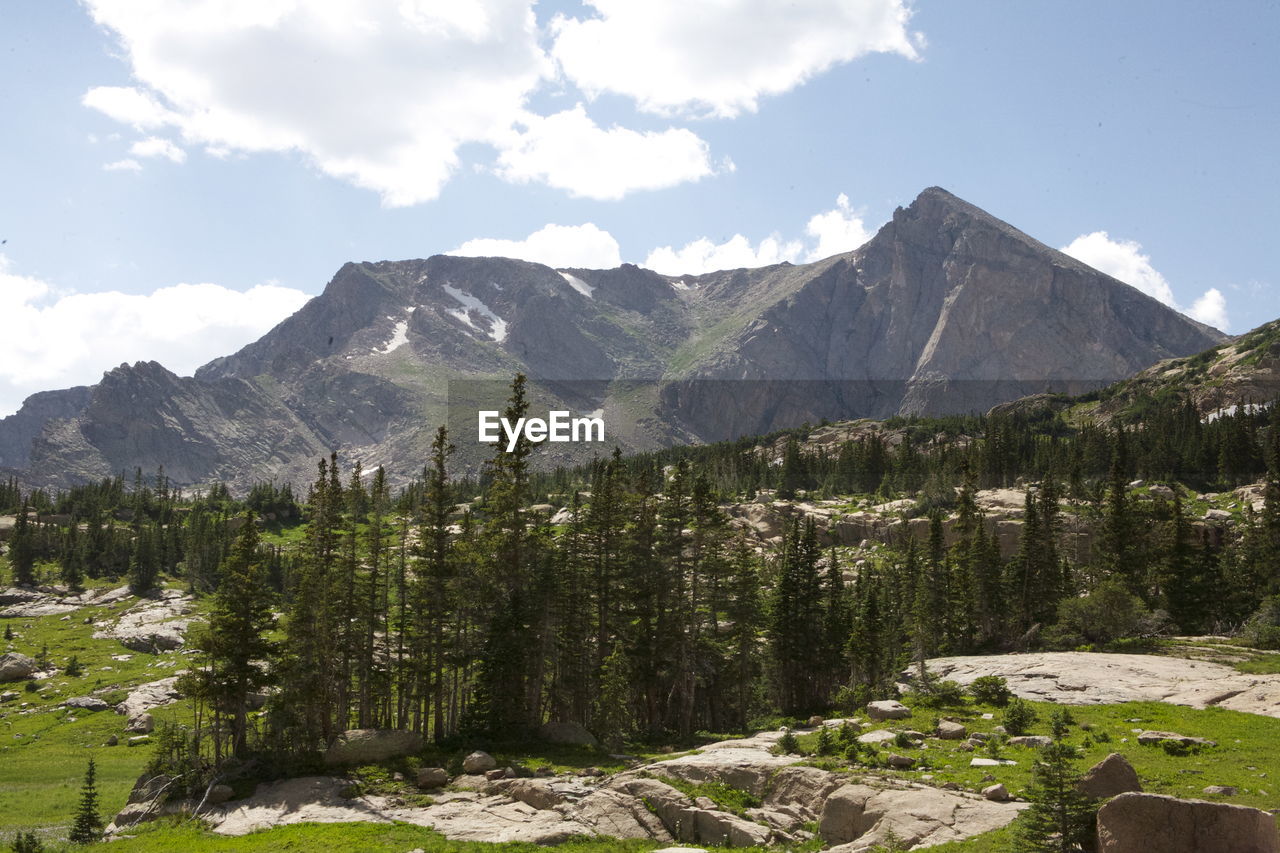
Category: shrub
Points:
column 991, row 690
column 27, row 842
column 826, row 743
column 1262, row 631
column 902, row 741
column 1103, row 616
column 938, row 694
column 1019, row 717
column 74, row 667
column 788, row 744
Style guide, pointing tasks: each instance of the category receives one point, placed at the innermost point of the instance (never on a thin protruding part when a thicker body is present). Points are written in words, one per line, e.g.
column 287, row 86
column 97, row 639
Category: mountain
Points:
column 946, row 309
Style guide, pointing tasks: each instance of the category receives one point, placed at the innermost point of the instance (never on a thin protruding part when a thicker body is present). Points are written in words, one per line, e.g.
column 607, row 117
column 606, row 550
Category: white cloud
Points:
column 720, row 57
column 154, row 146
column 1211, row 308
column 839, row 230
column 128, row 105
column 57, row 339
column 1125, row 260
column 834, row 231
column 569, row 151
column 380, row 93
column 126, row 165
column 702, row 255
column 554, row 245
column 390, row 95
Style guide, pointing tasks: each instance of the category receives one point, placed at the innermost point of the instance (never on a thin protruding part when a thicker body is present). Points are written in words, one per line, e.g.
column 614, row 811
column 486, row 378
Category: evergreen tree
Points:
column 1060, row 818
column 87, row 826
column 612, row 719
column 22, row 552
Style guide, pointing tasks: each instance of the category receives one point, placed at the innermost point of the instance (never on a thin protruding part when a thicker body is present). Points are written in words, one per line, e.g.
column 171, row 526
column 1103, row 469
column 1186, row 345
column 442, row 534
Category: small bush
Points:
column 902, row 741
column 991, row 690
column 1262, row 631
column 939, row 694
column 788, row 744
column 826, row 742
column 74, row 668
column 1019, row 716
column 27, row 842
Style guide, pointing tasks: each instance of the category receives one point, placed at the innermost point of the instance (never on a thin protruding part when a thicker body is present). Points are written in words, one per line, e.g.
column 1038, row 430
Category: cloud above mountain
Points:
column 396, row 96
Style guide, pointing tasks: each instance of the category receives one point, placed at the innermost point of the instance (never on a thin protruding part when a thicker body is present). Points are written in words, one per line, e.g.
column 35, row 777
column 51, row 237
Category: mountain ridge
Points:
column 947, row 308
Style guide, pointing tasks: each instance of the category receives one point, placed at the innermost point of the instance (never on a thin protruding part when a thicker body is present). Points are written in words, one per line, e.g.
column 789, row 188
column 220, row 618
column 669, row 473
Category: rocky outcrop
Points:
column 1085, row 678
column 1140, row 823
column 857, row 817
column 365, row 746
column 53, row 601
column 153, row 694
column 1110, row 777
column 152, row 625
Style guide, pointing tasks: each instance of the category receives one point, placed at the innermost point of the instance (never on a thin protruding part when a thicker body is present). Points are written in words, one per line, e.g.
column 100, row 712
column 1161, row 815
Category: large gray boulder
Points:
column 1110, row 777
column 918, row 816
column 887, row 709
column 1144, row 823
column 15, row 666
column 358, row 746
column 86, row 703
column 573, row 734
column 478, row 762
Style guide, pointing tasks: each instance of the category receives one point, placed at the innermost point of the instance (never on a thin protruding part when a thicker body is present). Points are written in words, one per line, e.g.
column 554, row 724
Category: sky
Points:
column 180, row 175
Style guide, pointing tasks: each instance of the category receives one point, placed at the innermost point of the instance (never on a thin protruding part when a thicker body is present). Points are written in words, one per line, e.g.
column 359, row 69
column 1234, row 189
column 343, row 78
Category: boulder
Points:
column 947, row 730
column 1111, row 776
column 432, row 777
column 361, row 746
column 1221, row 790
column 113, row 740
column 138, row 740
column 219, row 794
column 153, row 694
column 878, row 736
column 1154, row 737
column 141, row 724
column 918, row 816
column 9, row 696
column 86, row 703
column 570, row 733
column 901, row 762
column 815, row 721
column 1032, row 741
column 887, row 709
column 1142, row 823
column 478, row 762
column 803, row 786
column 996, row 793
column 15, row 666
column 1161, row 491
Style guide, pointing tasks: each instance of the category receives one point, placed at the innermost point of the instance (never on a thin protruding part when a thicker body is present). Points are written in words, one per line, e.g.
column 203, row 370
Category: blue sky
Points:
column 181, row 175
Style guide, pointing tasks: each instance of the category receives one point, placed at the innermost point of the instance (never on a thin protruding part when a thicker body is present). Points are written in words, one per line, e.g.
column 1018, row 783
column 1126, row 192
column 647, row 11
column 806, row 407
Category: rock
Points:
column 918, row 816
column 1217, row 515
column 947, row 730
column 568, row 733
column 9, row 696
column 899, row 761
column 887, row 709
column 1089, row 678
column 815, row 721
column 478, row 762
column 499, row 773
column 1221, row 790
column 138, row 740
column 1154, row 737
column 86, row 703
column 432, row 777
column 1161, row 491
column 1111, row 776
column 142, row 723
column 152, row 625
column 113, row 740
column 15, row 666
column 878, row 736
column 154, row 694
column 1032, row 741
column 219, row 794
column 360, row 746
column 1143, row 823
column 803, row 786
column 997, row 792
column 991, row 762
column 687, row 822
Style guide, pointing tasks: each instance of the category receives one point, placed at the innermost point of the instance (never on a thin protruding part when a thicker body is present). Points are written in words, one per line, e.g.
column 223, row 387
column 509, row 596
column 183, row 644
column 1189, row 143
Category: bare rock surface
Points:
column 1142, row 823
column 857, row 817
column 310, row 799
column 1086, row 678
column 25, row 603
column 153, row 694
column 153, row 624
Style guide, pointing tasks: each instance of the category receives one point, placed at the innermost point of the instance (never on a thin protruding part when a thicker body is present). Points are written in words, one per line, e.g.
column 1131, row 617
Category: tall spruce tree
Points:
column 1060, row 818
column 86, row 828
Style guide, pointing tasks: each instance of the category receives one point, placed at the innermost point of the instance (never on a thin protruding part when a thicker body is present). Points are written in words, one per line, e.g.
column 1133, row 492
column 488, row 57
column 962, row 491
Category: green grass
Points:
column 1247, row 755
column 45, row 748
column 729, row 798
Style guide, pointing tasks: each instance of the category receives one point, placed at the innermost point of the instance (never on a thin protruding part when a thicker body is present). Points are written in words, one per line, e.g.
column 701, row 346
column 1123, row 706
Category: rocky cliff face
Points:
column 946, row 309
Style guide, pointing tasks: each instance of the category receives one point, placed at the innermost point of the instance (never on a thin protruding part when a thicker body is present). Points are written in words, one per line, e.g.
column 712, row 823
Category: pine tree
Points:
column 1060, row 818
column 87, row 826
column 22, row 554
column 612, row 719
